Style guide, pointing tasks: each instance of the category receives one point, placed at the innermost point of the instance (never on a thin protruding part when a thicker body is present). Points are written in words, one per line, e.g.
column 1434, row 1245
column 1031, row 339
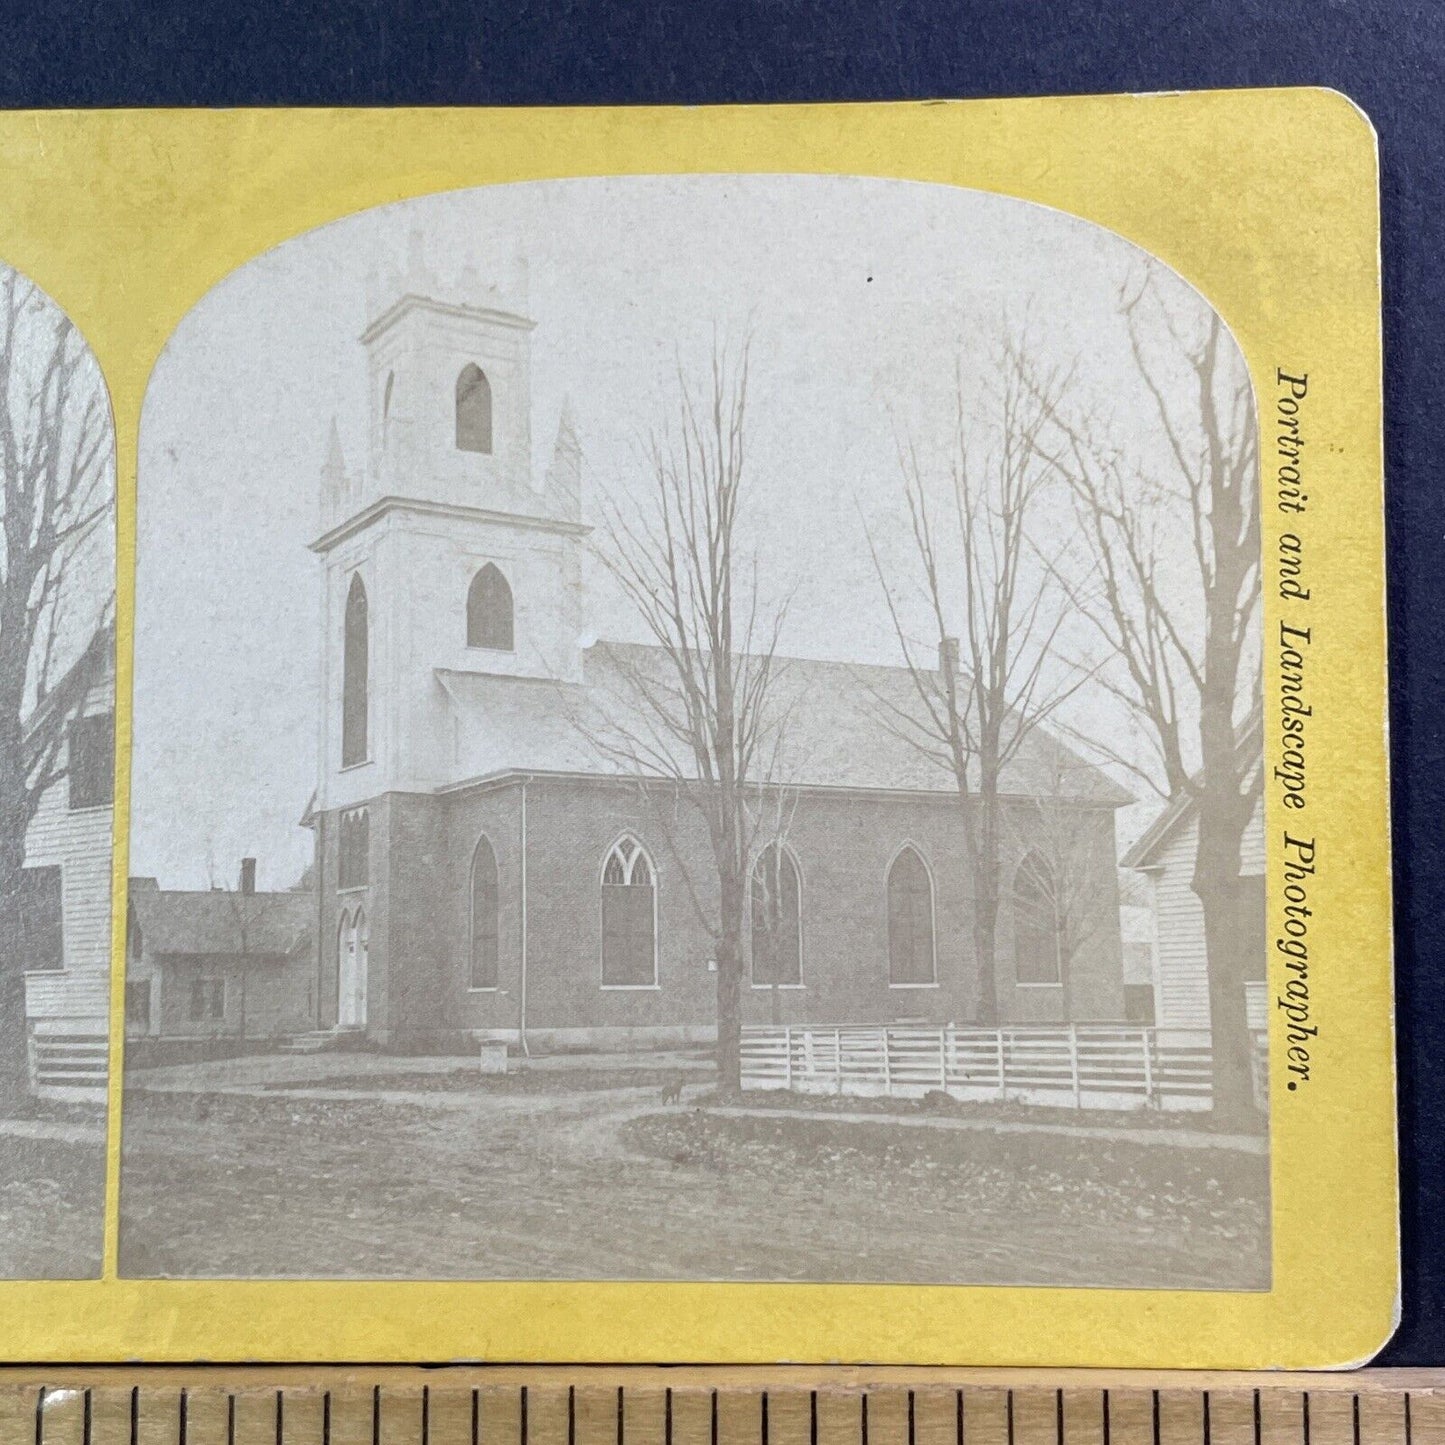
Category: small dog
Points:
column 672, row 1093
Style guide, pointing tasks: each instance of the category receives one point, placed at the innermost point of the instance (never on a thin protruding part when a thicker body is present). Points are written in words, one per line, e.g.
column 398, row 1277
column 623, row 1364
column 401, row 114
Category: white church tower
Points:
column 446, row 551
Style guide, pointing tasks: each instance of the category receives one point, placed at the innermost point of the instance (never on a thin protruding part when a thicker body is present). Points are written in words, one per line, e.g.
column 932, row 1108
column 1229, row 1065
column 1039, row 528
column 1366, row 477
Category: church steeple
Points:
column 467, row 554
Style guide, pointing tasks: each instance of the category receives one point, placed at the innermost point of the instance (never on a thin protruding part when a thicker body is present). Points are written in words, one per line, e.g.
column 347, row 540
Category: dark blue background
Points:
column 1388, row 55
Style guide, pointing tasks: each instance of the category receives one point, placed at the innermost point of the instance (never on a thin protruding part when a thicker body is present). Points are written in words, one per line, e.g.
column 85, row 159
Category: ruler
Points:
column 696, row 1406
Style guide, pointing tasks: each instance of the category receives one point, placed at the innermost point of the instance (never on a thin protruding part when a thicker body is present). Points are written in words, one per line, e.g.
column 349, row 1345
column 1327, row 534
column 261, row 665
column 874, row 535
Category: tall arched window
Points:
column 912, row 958
column 474, row 410
column 777, row 918
column 353, row 677
column 489, row 610
column 485, row 908
column 1038, row 935
column 629, row 918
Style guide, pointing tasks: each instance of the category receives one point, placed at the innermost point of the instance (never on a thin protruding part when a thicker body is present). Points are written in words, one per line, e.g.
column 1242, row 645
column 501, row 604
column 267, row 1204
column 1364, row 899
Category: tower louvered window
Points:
column 489, row 610
column 474, row 410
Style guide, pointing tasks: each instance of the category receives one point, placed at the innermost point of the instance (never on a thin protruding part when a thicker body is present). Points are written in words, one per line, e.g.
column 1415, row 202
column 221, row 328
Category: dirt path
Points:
column 605, row 1184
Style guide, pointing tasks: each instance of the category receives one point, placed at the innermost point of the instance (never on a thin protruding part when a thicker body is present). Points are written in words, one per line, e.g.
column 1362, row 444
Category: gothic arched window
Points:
column 489, row 610
column 777, row 918
column 353, row 677
column 629, row 918
column 1038, row 941
column 485, row 917
column 912, row 958
column 474, row 410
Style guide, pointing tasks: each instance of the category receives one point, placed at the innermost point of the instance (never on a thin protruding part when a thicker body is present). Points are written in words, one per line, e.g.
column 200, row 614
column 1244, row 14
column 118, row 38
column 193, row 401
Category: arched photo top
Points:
column 57, row 771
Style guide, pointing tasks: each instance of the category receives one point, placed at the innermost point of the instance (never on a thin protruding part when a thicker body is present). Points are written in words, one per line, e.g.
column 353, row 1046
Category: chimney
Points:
column 248, row 876
column 948, row 657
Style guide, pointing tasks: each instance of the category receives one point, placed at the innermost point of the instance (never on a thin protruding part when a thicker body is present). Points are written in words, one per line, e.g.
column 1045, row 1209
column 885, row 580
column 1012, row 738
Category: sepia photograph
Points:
column 685, row 728
column 57, row 751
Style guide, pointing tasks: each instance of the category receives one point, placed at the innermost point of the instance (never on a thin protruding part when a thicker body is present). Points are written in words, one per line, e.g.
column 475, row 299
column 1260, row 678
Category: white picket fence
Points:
column 1082, row 1066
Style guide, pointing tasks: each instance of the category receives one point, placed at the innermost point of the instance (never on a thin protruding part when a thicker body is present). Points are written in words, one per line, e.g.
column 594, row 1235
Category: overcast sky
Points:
column 860, row 296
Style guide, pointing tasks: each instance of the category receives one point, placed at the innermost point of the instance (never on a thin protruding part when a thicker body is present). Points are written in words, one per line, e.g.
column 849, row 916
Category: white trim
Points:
column 628, row 864
column 782, row 987
column 909, row 846
column 1057, row 983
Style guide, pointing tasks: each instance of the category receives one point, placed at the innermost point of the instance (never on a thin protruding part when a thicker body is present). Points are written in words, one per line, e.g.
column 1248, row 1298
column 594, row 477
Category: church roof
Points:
column 838, row 725
column 221, row 922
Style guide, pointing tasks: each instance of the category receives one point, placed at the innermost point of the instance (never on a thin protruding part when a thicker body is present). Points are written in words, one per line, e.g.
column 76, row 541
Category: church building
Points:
column 486, row 871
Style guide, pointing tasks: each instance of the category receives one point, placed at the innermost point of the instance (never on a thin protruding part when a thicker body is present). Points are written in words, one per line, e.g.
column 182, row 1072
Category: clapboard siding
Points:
column 78, row 842
column 1182, row 998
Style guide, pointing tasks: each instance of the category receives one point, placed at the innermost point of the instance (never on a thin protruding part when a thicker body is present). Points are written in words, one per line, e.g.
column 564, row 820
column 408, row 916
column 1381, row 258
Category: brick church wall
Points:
column 418, row 901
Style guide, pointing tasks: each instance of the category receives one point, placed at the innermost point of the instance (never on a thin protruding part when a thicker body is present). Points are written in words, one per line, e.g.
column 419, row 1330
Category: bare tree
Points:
column 1174, row 590
column 703, row 719
column 995, row 611
column 56, row 593
column 1061, row 837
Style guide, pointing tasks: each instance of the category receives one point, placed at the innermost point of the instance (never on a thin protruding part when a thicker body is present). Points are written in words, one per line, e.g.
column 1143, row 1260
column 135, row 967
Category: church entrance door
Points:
column 351, row 973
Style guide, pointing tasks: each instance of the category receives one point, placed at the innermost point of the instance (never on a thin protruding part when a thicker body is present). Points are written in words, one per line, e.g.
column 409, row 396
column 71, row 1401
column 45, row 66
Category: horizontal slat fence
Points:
column 1084, row 1066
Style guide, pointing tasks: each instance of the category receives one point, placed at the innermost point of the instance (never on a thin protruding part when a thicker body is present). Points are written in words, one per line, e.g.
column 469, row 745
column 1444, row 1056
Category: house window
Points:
column 474, row 410
column 42, row 936
column 485, row 922
column 1038, row 944
column 912, row 958
column 138, row 1003
column 353, row 864
column 1139, row 1003
column 91, row 765
column 208, row 1000
column 353, row 677
column 489, row 610
column 777, row 918
column 629, row 918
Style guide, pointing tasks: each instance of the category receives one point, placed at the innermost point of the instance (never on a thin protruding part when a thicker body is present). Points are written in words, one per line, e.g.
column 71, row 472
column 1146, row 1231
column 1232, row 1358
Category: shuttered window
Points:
column 91, row 761
column 42, row 934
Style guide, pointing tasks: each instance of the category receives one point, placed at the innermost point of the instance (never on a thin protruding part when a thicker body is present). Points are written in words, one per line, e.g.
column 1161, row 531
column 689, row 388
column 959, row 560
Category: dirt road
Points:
column 604, row 1183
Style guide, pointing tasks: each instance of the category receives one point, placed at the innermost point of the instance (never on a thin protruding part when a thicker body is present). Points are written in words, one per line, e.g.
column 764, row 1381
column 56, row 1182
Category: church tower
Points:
column 445, row 550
